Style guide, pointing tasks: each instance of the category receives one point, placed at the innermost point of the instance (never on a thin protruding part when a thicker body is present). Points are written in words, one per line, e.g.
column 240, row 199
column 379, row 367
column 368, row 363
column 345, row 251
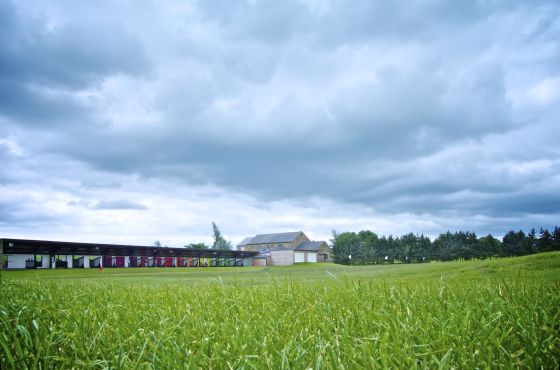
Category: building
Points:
column 279, row 240
column 45, row 254
column 283, row 249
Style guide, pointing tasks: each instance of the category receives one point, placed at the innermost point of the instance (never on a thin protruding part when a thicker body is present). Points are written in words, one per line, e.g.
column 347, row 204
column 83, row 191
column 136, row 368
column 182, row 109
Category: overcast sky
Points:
column 135, row 121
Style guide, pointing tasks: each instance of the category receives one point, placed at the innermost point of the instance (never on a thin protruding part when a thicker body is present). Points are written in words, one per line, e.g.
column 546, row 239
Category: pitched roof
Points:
column 309, row 246
column 246, row 241
column 272, row 238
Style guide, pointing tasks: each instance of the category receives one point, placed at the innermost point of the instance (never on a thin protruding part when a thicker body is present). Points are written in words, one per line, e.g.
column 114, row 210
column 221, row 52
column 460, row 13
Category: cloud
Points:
column 432, row 115
column 118, row 204
column 71, row 55
column 42, row 66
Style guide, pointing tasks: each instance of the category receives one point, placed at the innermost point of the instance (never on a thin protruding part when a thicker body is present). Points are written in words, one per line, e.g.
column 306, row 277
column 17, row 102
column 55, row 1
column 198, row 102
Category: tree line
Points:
column 366, row 247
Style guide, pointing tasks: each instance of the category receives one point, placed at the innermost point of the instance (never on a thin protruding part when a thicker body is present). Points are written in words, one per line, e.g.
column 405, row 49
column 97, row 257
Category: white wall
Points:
column 259, row 262
column 282, row 258
column 299, row 257
column 311, row 257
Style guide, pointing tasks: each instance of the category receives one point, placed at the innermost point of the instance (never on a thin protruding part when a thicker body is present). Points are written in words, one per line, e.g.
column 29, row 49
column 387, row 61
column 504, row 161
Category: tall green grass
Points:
column 504, row 315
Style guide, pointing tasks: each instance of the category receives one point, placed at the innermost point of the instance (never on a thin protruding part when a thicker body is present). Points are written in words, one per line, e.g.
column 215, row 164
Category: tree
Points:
column 345, row 245
column 157, row 244
column 556, row 238
column 425, row 249
column 514, row 244
column 448, row 246
column 468, row 244
column 546, row 242
column 488, row 246
column 368, row 246
column 219, row 241
column 391, row 249
column 407, row 248
column 532, row 242
column 197, row 246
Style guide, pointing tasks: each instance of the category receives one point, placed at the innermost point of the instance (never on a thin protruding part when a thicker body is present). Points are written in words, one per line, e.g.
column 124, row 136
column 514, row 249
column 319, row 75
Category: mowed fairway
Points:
column 489, row 314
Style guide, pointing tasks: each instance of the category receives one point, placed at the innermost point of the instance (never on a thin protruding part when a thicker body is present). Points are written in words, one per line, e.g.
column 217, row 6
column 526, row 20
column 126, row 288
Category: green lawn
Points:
column 539, row 266
column 488, row 314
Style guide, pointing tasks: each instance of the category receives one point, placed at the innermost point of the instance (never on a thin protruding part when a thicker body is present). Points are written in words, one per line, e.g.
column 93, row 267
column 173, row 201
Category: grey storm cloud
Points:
column 71, row 55
column 118, row 204
column 425, row 107
column 42, row 66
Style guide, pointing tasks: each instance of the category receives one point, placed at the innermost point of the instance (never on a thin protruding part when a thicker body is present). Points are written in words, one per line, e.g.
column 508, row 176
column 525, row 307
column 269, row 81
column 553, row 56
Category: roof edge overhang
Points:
column 30, row 246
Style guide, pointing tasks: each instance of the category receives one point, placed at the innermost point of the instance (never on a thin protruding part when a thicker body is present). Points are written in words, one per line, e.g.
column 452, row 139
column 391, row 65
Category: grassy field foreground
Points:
column 488, row 314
